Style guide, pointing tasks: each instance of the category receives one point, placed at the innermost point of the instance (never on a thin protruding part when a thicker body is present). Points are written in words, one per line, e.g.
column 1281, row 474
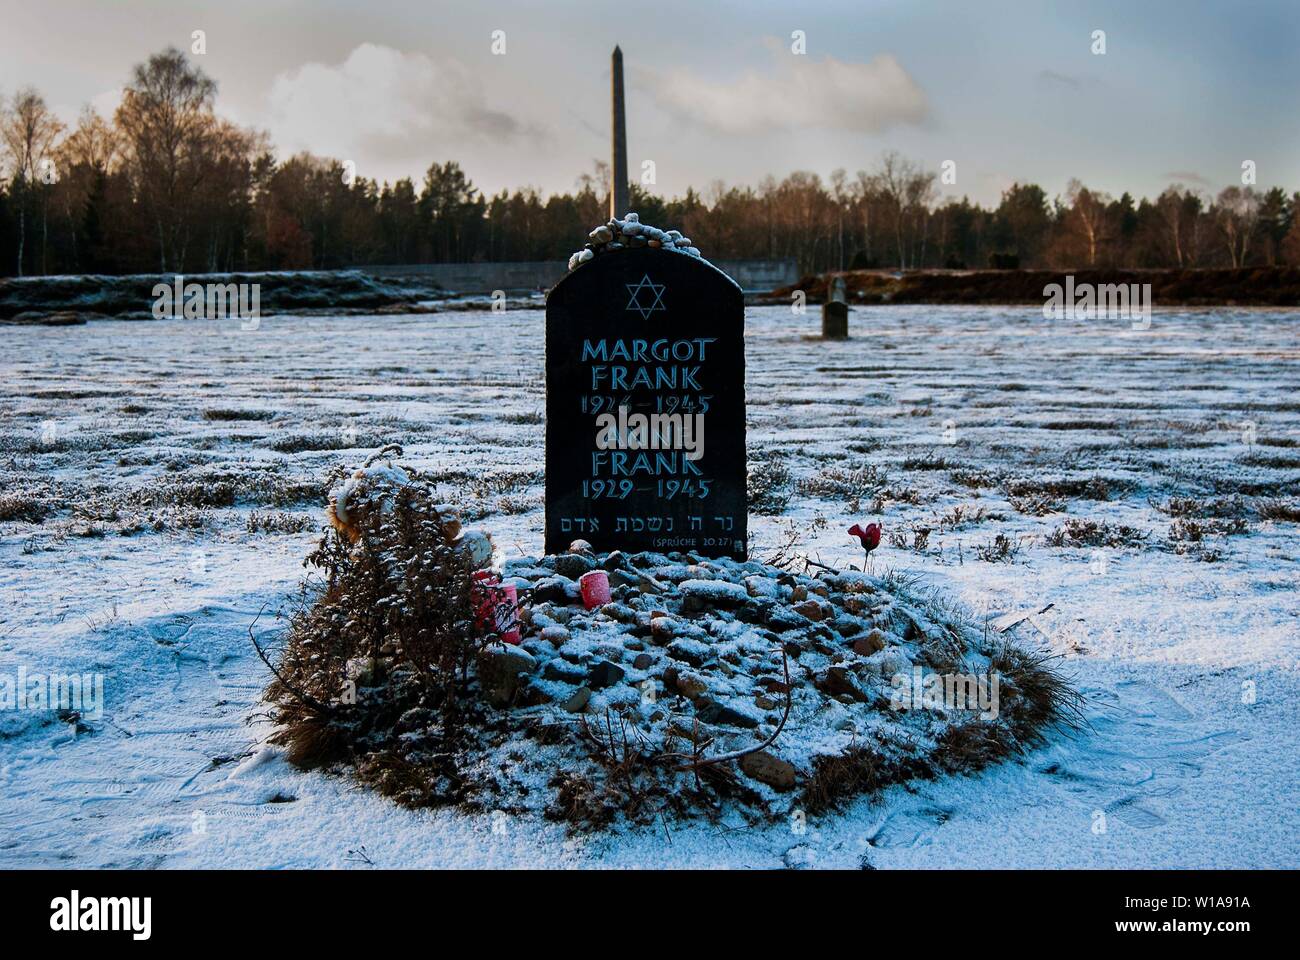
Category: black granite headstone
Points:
column 645, row 406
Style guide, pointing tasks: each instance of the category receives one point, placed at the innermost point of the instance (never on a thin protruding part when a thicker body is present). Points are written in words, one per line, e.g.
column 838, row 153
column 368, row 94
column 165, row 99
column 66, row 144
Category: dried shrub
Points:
column 925, row 463
column 918, row 541
column 850, row 485
column 964, row 515
column 206, row 491
column 321, row 440
column 390, row 624
column 769, row 486
column 1271, row 463
column 974, row 479
column 1277, row 509
column 1039, row 697
column 1202, row 508
column 1083, row 532
column 1001, row 549
column 1188, row 530
column 25, row 506
column 1087, row 488
column 500, row 483
column 223, row 414
column 1036, row 505
column 276, row 521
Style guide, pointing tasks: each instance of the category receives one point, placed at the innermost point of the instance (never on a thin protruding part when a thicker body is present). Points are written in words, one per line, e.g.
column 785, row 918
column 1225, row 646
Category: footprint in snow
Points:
column 912, row 827
column 1142, row 746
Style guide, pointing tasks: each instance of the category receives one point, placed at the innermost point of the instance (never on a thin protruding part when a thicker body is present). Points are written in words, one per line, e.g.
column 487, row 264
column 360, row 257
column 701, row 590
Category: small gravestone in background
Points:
column 835, row 312
column 645, row 406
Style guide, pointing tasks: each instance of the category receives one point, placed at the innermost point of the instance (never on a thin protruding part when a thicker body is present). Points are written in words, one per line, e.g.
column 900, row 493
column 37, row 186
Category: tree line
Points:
column 166, row 185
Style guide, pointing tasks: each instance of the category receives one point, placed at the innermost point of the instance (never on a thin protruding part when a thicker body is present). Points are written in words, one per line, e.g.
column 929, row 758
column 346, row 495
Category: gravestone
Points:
column 645, row 406
column 835, row 312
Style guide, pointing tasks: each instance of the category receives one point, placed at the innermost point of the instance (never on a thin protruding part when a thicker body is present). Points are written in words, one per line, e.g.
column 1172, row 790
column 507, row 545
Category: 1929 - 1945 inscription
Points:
column 645, row 406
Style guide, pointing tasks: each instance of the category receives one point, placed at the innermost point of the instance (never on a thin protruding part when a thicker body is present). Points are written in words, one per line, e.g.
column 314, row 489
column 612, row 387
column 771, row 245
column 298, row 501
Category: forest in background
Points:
column 166, row 185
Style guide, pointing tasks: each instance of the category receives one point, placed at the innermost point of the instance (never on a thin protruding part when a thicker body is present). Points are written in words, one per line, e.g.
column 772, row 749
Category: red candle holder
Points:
column 595, row 589
column 496, row 606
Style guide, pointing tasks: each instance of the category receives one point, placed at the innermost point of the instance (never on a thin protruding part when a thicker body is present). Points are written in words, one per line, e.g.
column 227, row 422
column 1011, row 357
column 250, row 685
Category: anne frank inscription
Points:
column 645, row 406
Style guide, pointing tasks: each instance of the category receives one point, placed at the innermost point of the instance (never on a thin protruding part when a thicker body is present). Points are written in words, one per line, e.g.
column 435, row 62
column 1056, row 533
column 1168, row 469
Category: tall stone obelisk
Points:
column 618, row 200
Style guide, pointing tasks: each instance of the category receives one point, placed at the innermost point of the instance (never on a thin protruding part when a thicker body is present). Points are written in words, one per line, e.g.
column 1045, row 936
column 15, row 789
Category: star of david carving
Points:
column 645, row 297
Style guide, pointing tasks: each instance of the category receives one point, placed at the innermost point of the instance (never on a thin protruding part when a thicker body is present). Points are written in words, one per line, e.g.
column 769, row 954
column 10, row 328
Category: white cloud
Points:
column 798, row 92
column 381, row 107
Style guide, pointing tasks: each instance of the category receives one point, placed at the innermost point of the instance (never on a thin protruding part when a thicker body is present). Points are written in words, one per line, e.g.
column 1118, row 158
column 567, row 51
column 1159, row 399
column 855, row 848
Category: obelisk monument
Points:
column 618, row 201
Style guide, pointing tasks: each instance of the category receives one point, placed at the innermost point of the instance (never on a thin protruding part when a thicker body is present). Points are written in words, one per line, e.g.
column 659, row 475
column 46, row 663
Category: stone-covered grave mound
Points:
column 595, row 688
column 696, row 662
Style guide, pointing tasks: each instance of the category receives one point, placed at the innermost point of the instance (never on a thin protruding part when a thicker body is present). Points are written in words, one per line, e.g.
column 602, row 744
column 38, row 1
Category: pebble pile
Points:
column 696, row 651
column 631, row 232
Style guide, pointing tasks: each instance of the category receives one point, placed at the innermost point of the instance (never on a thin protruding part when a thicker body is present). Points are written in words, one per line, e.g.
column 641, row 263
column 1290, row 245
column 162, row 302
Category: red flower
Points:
column 870, row 537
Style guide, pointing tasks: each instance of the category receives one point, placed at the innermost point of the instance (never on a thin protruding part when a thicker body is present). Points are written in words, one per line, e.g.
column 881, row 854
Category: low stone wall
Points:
column 754, row 276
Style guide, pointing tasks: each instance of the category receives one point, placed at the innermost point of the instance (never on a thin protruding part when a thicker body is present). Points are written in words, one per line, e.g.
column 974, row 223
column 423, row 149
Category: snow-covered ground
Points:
column 148, row 446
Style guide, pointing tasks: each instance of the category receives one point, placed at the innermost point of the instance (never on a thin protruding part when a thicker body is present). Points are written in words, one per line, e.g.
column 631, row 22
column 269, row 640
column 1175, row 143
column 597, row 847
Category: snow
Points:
column 1190, row 664
column 379, row 474
column 715, row 590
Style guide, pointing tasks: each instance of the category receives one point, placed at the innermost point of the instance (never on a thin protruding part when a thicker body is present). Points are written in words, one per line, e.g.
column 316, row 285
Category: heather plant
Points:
column 389, row 620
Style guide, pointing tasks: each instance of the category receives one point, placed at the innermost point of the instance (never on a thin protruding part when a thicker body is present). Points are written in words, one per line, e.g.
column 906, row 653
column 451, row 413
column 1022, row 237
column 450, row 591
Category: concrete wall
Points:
column 754, row 276
column 760, row 276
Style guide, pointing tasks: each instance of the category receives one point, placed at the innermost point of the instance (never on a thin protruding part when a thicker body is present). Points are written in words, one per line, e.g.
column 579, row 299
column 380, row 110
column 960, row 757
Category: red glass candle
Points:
column 496, row 606
column 595, row 589
column 507, row 611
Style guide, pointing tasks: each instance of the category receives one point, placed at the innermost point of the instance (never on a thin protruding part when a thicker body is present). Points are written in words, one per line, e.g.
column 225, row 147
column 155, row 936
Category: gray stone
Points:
column 649, row 584
column 770, row 769
column 688, row 651
column 499, row 668
column 839, row 682
column 561, row 669
column 574, row 565
column 620, row 612
column 783, row 618
column 578, row 702
column 623, row 578
column 604, row 674
column 711, row 711
column 555, row 589
column 556, row 635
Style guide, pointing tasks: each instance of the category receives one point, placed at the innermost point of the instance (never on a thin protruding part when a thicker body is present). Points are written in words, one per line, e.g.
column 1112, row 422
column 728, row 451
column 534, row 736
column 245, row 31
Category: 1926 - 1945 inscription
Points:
column 645, row 406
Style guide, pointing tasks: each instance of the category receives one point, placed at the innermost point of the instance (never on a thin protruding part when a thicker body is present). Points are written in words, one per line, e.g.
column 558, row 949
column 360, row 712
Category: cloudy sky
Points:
column 1010, row 91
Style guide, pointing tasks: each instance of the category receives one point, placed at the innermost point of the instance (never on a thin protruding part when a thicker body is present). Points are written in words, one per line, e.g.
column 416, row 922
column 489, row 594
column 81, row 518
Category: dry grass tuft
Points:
column 769, row 486
column 1001, row 549
column 1083, row 532
column 1287, row 511
column 849, row 485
